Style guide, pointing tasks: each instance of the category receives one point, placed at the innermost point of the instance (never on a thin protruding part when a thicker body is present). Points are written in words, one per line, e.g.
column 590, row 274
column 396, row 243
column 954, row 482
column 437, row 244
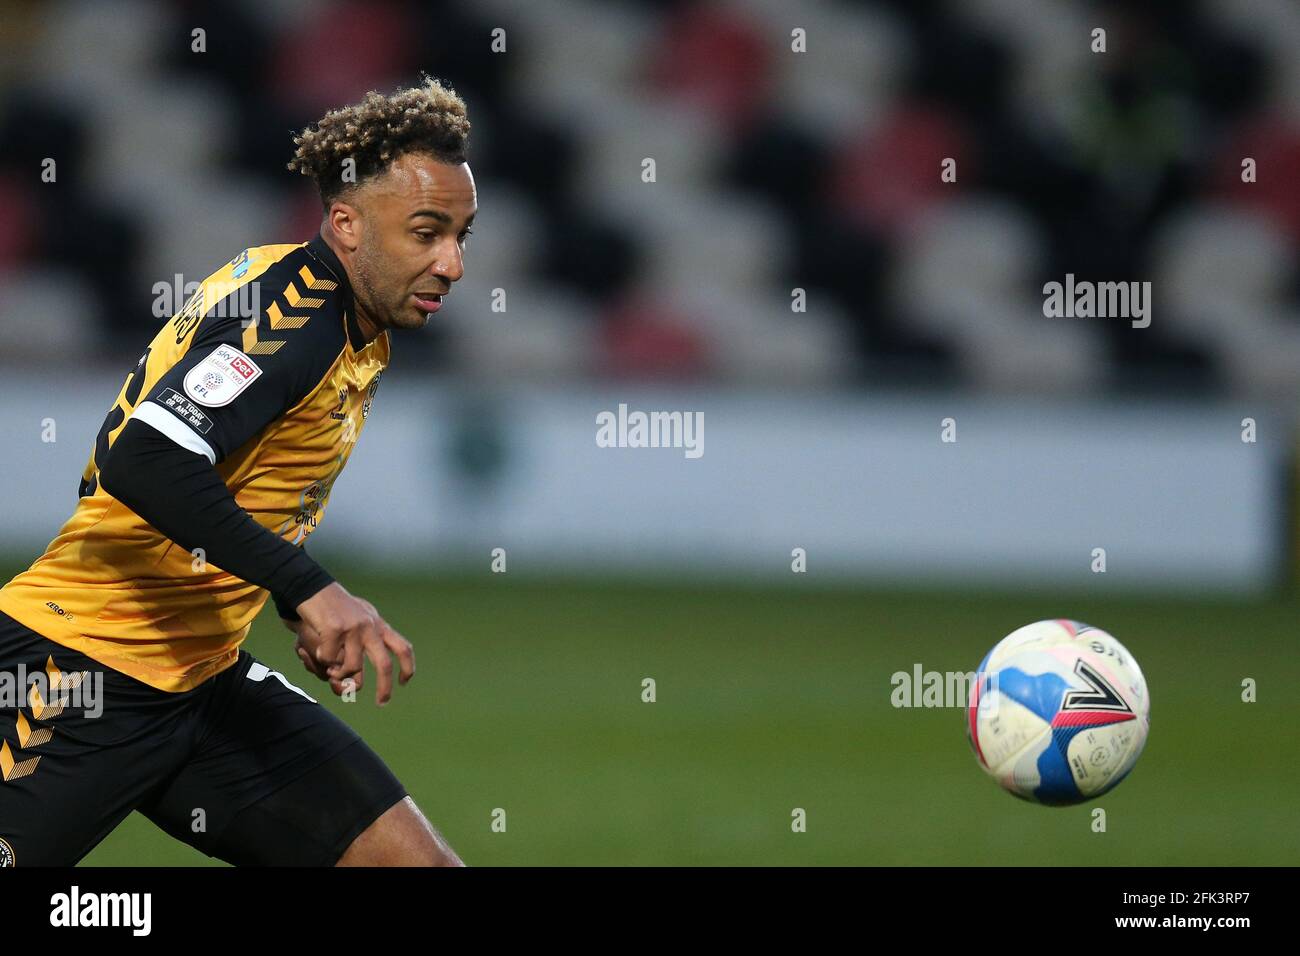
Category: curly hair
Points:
column 429, row 118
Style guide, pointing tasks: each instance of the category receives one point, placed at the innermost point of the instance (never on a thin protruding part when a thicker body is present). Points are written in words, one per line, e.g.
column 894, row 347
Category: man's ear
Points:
column 344, row 220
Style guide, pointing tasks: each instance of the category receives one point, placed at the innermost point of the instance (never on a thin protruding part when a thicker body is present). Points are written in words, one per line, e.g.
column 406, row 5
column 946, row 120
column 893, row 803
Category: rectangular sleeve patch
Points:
column 189, row 413
column 182, row 423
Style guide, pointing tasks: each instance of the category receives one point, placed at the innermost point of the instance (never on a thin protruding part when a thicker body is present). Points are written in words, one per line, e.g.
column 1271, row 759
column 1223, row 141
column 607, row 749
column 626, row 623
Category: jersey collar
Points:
column 319, row 248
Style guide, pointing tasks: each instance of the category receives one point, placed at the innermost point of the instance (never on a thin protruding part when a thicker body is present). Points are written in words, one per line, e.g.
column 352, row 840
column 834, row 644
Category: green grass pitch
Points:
column 528, row 699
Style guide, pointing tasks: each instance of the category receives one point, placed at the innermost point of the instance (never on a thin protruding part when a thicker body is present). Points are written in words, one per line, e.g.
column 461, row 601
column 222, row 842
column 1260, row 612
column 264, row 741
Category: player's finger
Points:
column 340, row 672
column 306, row 660
column 304, row 655
column 353, row 649
column 357, row 680
column 327, row 651
column 404, row 651
column 377, row 651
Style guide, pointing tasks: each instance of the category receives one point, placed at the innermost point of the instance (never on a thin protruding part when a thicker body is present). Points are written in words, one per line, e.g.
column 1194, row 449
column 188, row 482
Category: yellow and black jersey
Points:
column 265, row 373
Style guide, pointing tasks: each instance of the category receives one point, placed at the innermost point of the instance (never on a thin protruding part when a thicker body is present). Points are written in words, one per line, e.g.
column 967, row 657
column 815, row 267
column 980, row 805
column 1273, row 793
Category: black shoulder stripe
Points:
column 290, row 340
column 292, row 293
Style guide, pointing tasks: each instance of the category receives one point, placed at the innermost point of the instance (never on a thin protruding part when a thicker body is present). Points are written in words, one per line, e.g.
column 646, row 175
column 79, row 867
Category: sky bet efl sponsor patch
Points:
column 219, row 378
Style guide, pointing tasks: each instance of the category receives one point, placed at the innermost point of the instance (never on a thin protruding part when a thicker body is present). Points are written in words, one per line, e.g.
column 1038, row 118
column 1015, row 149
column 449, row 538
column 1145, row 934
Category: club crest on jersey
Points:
column 219, row 378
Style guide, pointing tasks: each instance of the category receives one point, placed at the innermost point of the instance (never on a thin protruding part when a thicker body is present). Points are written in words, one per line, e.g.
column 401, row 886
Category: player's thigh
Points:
column 80, row 750
column 401, row 837
column 277, row 779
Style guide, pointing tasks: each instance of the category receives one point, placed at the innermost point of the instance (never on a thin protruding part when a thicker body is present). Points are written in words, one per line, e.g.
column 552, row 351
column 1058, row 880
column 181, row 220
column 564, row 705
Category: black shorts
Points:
column 245, row 767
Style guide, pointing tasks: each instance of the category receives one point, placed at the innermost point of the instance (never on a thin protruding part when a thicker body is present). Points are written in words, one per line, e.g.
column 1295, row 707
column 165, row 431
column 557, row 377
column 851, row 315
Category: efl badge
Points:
column 219, row 378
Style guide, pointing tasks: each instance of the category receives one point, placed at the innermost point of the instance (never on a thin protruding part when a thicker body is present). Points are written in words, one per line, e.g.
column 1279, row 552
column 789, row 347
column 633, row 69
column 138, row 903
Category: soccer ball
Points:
column 1059, row 713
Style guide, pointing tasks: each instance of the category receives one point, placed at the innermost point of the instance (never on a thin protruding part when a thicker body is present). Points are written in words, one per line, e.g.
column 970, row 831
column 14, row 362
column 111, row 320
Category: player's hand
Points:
column 316, row 670
column 339, row 631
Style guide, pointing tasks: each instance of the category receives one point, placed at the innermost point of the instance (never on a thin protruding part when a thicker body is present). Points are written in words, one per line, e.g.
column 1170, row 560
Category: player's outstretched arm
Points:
column 181, row 494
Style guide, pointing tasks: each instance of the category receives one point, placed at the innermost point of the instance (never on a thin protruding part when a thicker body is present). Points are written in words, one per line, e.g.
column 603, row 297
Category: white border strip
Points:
column 153, row 414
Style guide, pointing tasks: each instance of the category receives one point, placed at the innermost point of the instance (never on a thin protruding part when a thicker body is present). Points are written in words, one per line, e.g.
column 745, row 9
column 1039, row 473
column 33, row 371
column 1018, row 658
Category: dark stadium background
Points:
column 775, row 171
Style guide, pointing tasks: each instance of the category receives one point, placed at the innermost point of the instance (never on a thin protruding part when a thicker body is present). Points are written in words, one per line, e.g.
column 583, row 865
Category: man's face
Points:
column 411, row 228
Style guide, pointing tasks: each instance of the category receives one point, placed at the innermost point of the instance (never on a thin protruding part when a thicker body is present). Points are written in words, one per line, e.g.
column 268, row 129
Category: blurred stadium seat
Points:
column 774, row 171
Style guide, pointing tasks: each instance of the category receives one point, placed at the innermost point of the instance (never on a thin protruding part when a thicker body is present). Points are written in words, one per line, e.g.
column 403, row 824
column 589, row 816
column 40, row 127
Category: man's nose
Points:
column 450, row 263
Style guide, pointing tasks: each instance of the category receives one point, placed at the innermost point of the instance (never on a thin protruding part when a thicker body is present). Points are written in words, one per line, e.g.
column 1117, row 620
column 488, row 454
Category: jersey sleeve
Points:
column 223, row 390
column 183, row 497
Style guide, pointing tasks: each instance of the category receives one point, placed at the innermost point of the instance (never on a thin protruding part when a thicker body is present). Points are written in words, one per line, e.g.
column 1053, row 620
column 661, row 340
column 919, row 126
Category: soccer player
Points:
column 212, row 469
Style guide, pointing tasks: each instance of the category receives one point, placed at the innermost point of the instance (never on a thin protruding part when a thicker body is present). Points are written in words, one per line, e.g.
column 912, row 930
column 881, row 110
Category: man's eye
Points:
column 466, row 234
column 424, row 236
